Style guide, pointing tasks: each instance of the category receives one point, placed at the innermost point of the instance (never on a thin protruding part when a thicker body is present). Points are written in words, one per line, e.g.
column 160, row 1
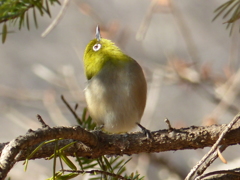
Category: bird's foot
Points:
column 99, row 128
column 147, row 132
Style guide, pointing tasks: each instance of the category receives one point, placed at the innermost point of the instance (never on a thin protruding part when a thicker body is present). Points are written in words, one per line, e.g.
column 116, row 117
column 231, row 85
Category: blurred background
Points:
column 190, row 63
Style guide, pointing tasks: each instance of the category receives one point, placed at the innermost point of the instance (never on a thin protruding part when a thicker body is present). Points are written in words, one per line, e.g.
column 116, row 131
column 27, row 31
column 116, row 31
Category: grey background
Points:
column 23, row 93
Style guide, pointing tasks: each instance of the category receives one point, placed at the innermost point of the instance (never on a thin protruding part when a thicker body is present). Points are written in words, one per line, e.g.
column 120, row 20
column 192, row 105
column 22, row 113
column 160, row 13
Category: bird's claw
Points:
column 147, row 132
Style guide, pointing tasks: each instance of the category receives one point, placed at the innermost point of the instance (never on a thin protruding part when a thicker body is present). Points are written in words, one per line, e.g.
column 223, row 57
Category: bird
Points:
column 116, row 89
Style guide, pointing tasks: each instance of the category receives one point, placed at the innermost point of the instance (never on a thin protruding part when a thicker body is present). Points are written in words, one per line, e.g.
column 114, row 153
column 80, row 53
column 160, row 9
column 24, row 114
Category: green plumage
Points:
column 109, row 52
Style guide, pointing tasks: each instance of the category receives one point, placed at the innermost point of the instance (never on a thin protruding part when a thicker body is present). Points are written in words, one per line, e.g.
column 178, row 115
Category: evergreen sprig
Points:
column 17, row 12
column 111, row 168
column 230, row 10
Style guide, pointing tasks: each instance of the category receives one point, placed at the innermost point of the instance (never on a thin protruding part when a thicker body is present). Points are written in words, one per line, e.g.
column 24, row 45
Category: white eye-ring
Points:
column 96, row 47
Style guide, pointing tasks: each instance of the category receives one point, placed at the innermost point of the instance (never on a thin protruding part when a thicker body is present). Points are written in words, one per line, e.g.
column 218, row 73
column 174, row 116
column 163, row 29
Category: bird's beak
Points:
column 98, row 35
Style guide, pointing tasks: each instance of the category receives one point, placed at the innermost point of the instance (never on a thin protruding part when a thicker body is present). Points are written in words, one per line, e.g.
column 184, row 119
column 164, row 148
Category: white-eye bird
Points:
column 116, row 90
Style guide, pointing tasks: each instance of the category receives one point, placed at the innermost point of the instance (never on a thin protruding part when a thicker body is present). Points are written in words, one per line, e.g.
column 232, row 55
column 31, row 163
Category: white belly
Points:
column 111, row 106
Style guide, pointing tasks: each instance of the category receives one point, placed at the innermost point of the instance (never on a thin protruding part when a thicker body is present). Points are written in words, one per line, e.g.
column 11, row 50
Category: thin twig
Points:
column 168, row 123
column 57, row 19
column 44, row 125
column 72, row 111
column 211, row 160
column 213, row 149
column 230, row 172
column 76, row 106
column 146, row 21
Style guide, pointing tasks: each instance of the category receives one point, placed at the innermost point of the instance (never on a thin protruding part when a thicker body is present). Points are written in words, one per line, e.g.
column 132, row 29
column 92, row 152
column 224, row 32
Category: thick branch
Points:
column 14, row 147
column 95, row 144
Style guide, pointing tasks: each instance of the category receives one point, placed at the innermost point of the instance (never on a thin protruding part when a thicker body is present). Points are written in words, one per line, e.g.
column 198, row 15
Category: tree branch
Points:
column 96, row 143
column 206, row 160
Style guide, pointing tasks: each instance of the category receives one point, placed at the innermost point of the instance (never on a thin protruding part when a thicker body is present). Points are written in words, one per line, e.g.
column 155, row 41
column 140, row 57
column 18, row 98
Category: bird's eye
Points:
column 96, row 47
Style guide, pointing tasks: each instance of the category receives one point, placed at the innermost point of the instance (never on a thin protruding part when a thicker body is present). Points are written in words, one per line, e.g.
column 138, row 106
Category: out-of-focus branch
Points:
column 57, row 19
column 207, row 160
